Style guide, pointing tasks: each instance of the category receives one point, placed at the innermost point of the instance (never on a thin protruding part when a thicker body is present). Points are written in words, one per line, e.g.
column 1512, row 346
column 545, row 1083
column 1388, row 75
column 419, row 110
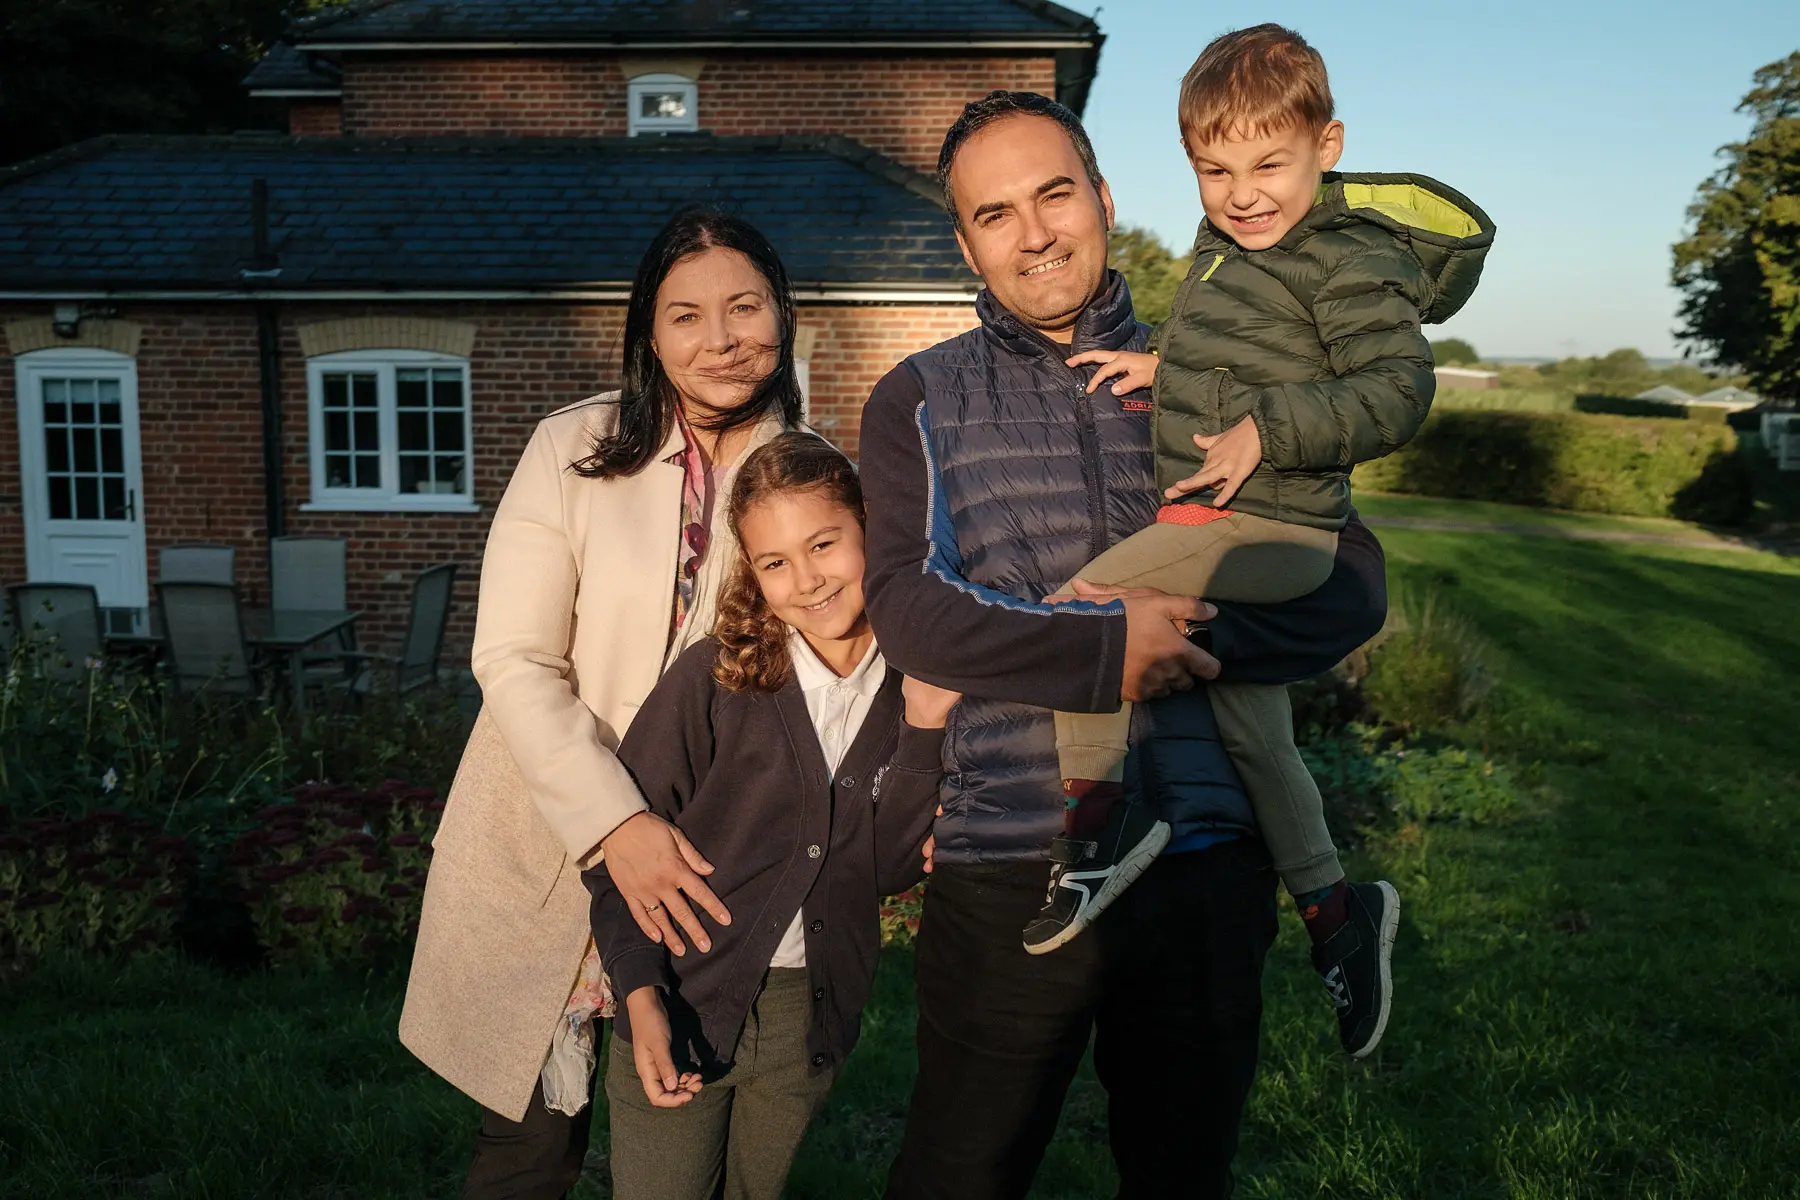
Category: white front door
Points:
column 82, row 473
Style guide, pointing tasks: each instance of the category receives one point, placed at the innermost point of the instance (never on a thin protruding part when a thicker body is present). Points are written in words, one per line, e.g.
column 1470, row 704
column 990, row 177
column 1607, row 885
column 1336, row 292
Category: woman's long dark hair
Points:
column 753, row 653
column 647, row 401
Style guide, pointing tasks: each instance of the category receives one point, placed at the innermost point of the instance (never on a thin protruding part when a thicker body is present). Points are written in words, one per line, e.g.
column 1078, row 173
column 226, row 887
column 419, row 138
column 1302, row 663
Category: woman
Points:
column 603, row 564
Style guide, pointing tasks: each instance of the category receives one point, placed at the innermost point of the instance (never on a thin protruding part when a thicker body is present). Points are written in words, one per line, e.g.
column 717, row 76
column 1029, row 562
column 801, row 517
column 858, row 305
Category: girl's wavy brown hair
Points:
column 753, row 653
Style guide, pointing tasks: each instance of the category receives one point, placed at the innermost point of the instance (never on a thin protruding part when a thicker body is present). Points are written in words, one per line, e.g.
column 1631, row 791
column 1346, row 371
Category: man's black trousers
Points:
column 1170, row 982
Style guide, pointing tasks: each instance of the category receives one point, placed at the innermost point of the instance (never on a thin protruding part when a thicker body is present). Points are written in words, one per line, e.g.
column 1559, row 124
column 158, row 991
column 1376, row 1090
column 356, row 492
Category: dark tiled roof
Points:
column 713, row 20
column 285, row 69
column 144, row 214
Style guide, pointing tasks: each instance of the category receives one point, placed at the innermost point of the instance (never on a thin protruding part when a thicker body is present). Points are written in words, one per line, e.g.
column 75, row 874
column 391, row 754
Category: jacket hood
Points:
column 1448, row 232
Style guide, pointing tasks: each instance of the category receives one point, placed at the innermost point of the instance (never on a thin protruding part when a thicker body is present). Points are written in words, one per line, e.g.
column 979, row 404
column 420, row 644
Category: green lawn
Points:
column 1599, row 998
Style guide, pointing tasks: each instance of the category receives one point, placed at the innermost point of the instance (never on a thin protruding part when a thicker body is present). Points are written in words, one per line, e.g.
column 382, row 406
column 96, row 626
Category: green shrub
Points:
column 1429, row 668
column 105, row 884
column 337, row 875
column 1577, row 461
column 1368, row 779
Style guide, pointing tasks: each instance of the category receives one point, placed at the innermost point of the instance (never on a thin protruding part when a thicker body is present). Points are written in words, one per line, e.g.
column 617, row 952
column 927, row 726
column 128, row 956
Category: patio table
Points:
column 284, row 632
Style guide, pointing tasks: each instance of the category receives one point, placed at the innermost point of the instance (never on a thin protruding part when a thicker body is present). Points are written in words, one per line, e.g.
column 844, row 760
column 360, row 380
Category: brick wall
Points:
column 899, row 105
column 546, row 96
column 202, row 433
column 315, row 118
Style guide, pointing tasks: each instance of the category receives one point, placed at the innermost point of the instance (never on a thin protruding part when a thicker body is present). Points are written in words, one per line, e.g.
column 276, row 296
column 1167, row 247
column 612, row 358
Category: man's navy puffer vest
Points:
column 1036, row 478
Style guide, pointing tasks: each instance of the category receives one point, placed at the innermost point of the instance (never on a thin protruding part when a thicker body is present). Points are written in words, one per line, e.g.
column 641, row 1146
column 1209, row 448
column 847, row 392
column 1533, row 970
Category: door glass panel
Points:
column 84, row 449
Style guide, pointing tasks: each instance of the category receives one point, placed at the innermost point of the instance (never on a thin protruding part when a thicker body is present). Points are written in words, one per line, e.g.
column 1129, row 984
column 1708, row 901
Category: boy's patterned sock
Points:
column 1088, row 801
column 1323, row 911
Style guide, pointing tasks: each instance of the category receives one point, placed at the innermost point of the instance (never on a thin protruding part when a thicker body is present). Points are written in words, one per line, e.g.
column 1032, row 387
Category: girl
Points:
column 776, row 745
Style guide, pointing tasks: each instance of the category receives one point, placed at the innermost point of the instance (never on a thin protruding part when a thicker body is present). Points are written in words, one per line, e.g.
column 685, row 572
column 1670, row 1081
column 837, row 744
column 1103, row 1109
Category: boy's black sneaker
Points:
column 1355, row 963
column 1087, row 875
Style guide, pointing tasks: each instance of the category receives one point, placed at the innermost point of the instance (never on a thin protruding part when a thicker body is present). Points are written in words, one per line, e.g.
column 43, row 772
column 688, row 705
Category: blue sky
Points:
column 1582, row 127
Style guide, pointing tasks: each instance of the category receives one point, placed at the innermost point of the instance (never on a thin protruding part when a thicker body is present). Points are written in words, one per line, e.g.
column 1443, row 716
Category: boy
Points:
column 1292, row 353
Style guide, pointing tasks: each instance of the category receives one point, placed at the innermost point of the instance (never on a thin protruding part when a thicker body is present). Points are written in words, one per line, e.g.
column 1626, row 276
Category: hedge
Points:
column 1580, row 461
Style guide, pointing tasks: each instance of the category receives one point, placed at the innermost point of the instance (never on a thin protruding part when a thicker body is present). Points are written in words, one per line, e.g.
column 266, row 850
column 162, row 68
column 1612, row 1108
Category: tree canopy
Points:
column 1739, row 270
column 75, row 69
column 1152, row 270
column 1454, row 352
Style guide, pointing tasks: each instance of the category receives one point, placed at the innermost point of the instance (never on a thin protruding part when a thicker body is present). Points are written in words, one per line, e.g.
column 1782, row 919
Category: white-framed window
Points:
column 662, row 104
column 390, row 431
column 803, row 376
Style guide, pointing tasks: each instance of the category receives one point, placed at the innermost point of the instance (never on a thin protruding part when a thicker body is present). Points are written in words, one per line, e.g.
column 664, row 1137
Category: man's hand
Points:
column 1158, row 659
column 653, row 864
column 927, row 706
column 650, row 1051
column 1230, row 458
column 1133, row 370
column 931, row 846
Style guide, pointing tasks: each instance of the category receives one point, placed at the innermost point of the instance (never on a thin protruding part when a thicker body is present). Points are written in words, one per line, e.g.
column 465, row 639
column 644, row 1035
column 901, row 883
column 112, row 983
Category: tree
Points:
column 75, row 69
column 1453, row 352
column 1149, row 267
column 1739, row 270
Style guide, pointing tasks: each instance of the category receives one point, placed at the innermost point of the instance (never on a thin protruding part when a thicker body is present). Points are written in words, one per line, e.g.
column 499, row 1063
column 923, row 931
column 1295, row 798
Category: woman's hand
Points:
column 1133, row 370
column 927, row 706
column 651, row 1053
column 1230, row 458
column 653, row 864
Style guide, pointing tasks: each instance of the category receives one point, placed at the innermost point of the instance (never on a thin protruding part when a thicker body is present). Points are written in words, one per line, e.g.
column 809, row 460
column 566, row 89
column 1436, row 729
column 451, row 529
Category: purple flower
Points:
column 285, row 837
column 301, row 915
column 166, row 900
column 398, row 891
column 404, row 839
column 373, row 866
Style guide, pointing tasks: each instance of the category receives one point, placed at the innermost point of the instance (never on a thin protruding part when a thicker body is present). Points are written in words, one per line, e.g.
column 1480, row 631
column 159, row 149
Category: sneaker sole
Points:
column 1390, row 925
column 1133, row 865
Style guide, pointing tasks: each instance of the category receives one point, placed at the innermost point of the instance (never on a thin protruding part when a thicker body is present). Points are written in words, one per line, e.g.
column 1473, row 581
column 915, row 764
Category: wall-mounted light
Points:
column 65, row 320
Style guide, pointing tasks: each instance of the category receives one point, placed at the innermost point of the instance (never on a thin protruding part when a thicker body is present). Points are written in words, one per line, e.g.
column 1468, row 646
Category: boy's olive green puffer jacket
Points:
column 1316, row 339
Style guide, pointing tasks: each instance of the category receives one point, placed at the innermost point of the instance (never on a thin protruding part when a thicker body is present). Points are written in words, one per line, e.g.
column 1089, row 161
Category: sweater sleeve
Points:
column 1295, row 640
column 668, row 750
column 905, row 806
column 520, row 657
column 1367, row 315
column 937, row 626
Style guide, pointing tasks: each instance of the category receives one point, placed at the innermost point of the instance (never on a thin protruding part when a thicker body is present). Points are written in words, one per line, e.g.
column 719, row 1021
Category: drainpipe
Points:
column 268, row 350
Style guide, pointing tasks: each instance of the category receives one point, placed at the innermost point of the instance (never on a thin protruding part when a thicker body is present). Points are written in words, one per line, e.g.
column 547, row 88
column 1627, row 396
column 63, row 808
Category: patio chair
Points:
column 307, row 574
column 204, row 631
column 67, row 613
column 195, row 562
column 416, row 663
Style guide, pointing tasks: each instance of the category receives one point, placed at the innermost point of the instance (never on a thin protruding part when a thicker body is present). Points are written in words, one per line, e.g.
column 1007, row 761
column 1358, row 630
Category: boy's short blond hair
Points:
column 1252, row 83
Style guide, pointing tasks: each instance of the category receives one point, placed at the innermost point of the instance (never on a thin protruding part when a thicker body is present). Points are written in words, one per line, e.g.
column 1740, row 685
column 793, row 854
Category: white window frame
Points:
column 644, row 84
column 383, row 364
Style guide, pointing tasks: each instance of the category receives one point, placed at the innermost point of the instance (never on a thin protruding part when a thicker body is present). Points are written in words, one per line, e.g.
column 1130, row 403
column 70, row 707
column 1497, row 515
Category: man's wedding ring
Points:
column 650, row 908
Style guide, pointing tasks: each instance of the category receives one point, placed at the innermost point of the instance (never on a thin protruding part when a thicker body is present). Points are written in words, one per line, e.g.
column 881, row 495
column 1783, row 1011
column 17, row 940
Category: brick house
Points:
column 350, row 331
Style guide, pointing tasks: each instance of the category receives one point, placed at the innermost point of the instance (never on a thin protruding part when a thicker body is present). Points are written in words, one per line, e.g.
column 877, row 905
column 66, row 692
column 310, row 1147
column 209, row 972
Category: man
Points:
column 992, row 477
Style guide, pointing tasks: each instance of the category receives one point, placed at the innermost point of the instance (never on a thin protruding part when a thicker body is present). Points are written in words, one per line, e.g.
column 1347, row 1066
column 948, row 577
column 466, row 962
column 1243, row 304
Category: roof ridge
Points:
column 348, row 10
column 879, row 165
column 1056, row 12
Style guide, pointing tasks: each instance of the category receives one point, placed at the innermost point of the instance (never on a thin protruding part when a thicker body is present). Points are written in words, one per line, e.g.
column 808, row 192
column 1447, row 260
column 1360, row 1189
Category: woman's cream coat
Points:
column 577, row 589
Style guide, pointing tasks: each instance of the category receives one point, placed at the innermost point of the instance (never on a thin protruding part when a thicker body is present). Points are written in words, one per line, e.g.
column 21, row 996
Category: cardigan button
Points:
column 817, row 927
column 818, row 1060
column 813, row 851
column 818, row 993
column 848, row 783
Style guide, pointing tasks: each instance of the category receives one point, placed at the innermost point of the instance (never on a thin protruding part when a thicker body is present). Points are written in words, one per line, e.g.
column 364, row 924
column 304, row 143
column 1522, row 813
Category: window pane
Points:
column 447, row 431
column 450, row 471
column 337, row 470
column 368, row 471
column 112, row 451
column 366, row 430
column 56, row 448
column 447, row 389
column 112, row 490
column 337, row 393
column 337, row 431
column 414, row 430
column 415, row 473
column 87, row 498
column 365, row 394
column 666, row 105
column 61, row 507
column 411, row 388
column 87, row 450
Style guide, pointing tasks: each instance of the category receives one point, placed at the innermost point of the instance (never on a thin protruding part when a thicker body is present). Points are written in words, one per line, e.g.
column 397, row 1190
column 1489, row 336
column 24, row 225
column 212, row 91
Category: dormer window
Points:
column 663, row 104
